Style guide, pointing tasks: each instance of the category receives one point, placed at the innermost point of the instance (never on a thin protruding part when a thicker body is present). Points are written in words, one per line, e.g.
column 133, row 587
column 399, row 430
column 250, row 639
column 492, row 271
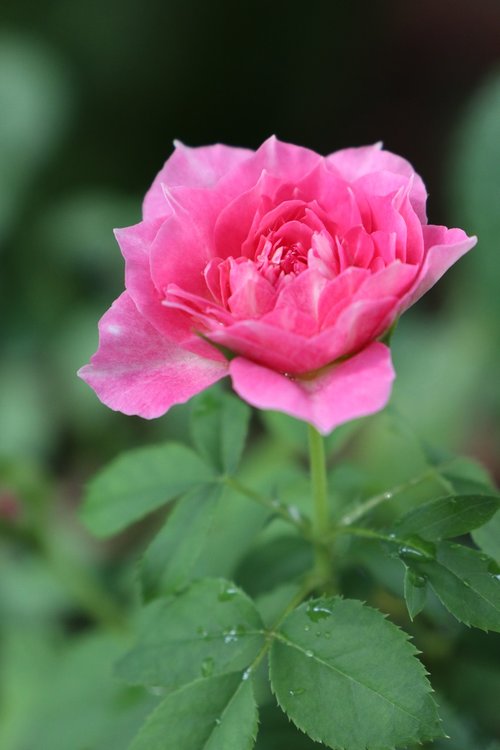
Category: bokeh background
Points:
column 91, row 96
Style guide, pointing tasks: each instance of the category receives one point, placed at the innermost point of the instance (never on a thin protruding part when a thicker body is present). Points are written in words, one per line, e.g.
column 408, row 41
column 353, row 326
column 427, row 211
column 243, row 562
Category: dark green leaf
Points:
column 415, row 589
column 218, row 713
column 219, row 426
column 350, row 678
column 138, row 482
column 466, row 581
column 212, row 628
column 488, row 537
column 448, row 517
column 236, row 521
column 170, row 560
column 274, row 562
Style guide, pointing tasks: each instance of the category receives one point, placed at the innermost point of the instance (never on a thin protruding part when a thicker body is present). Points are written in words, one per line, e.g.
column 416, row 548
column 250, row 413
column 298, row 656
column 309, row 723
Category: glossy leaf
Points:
column 488, row 537
column 138, row 482
column 349, row 678
column 448, row 517
column 171, row 558
column 218, row 713
column 466, row 581
column 219, row 426
column 415, row 588
column 212, row 628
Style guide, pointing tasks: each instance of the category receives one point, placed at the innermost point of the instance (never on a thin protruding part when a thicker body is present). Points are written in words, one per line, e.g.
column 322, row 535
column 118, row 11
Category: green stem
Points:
column 321, row 520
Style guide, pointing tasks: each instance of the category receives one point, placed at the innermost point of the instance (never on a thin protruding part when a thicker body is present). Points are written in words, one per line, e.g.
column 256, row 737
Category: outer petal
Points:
column 443, row 248
column 353, row 163
column 285, row 161
column 355, row 388
column 137, row 371
column 191, row 167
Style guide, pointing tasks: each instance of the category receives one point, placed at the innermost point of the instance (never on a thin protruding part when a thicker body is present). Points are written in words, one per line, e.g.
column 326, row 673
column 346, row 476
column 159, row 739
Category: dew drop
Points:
column 416, row 579
column 217, row 722
column 294, row 513
column 309, row 653
column 493, row 567
column 202, row 632
column 417, row 549
column 246, row 674
column 327, row 634
column 230, row 635
column 157, row 690
column 317, row 611
column 207, row 667
column 297, row 691
column 227, row 593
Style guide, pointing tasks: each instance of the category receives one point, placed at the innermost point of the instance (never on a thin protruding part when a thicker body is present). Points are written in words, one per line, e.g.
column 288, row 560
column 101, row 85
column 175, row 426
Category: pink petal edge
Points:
column 138, row 371
column 359, row 386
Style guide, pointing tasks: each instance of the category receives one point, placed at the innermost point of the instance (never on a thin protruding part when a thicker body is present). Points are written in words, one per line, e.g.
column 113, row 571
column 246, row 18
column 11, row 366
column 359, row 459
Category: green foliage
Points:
column 210, row 629
column 349, row 678
column 138, row 482
column 487, row 537
column 217, row 713
column 466, row 581
column 415, row 590
column 219, row 425
column 448, row 517
column 171, row 559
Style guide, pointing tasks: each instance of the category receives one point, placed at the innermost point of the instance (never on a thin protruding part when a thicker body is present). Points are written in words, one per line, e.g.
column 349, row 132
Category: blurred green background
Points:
column 91, row 96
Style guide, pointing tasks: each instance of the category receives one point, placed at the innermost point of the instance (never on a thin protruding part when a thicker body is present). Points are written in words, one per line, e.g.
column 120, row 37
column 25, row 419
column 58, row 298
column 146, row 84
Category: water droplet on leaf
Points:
column 207, row 667
column 230, row 635
column 317, row 611
column 416, row 579
column 227, row 593
column 417, row 549
column 297, row 691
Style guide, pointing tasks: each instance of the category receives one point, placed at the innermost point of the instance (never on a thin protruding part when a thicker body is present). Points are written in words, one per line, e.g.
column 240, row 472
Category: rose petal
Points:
column 283, row 160
column 353, row 163
column 355, row 388
column 191, row 167
column 443, row 248
column 136, row 370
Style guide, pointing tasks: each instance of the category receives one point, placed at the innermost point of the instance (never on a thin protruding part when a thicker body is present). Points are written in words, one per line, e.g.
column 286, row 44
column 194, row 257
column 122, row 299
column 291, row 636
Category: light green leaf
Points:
column 170, row 559
column 448, row 517
column 466, row 581
column 350, row 678
column 487, row 537
column 219, row 426
column 212, row 628
column 218, row 713
column 415, row 592
column 138, row 482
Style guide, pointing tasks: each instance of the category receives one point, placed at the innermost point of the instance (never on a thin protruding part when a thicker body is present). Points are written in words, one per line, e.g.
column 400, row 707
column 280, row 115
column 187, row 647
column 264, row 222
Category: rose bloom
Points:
column 280, row 268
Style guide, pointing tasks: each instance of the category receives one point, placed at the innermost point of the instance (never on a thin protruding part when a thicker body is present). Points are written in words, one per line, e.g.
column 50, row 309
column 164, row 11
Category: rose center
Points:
column 277, row 259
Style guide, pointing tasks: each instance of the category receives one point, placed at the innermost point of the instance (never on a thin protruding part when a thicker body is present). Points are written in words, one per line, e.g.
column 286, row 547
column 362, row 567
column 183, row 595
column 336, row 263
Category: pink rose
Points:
column 292, row 264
